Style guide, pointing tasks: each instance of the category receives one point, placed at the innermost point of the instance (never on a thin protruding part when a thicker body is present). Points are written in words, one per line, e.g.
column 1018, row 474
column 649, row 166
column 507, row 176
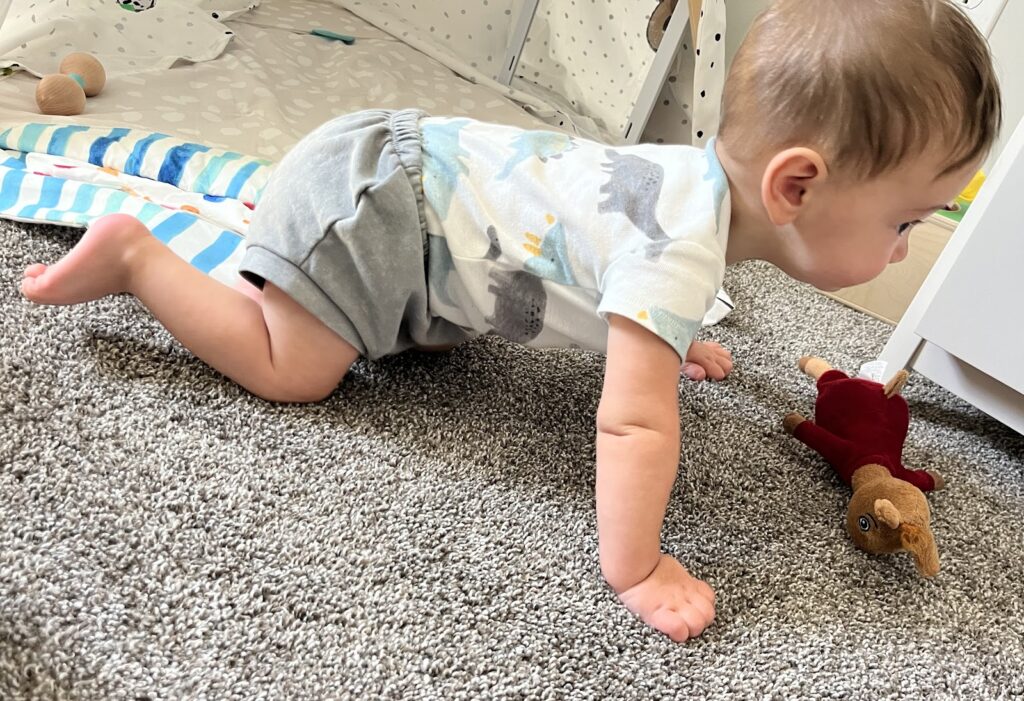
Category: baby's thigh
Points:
column 305, row 352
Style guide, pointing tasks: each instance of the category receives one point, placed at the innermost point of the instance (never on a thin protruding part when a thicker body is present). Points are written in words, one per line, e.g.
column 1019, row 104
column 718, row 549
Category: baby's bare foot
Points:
column 672, row 601
column 98, row 265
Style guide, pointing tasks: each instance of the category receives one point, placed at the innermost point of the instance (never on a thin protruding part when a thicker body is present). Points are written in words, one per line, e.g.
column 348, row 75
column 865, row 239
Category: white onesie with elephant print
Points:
column 537, row 235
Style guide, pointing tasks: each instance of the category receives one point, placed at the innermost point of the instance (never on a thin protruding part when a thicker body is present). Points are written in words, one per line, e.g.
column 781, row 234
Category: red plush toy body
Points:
column 858, row 422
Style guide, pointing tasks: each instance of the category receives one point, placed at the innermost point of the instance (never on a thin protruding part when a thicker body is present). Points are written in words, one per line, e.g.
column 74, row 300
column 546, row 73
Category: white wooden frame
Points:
column 521, row 27
column 656, row 76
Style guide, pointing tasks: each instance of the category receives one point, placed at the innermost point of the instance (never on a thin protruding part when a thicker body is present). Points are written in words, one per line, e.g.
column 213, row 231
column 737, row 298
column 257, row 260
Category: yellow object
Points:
column 971, row 191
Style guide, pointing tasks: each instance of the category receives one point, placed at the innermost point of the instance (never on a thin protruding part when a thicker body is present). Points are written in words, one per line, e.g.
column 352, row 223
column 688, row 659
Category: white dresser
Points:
column 965, row 327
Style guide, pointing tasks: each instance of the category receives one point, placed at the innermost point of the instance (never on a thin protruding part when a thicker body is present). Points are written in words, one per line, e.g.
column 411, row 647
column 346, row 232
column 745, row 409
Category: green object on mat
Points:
column 327, row 34
column 958, row 215
column 317, row 32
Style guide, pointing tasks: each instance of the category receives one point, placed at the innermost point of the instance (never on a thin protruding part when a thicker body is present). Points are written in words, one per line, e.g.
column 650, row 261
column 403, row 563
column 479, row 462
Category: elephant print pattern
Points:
column 538, row 236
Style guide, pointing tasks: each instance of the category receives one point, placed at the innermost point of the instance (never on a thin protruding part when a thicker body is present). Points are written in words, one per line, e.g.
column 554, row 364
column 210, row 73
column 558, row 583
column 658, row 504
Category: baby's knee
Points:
column 297, row 390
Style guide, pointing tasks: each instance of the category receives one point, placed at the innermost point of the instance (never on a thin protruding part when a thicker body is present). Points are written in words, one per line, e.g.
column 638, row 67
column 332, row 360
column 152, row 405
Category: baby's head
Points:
column 844, row 123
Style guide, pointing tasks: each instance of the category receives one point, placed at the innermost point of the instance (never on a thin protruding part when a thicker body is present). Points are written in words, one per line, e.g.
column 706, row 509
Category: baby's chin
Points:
column 838, row 281
column 826, row 280
column 817, row 281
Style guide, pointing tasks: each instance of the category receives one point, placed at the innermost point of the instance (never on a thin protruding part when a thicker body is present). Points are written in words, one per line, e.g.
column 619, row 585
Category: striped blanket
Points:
column 195, row 198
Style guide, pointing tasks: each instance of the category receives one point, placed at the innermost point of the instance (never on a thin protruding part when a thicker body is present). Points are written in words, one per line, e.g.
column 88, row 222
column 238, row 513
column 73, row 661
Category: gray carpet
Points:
column 428, row 531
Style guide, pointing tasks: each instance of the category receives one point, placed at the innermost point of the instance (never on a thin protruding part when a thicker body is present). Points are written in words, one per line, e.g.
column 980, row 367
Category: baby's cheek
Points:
column 901, row 250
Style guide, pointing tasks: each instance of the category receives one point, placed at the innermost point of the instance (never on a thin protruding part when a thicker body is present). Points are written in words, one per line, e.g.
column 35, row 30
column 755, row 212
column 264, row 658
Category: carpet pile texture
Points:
column 429, row 531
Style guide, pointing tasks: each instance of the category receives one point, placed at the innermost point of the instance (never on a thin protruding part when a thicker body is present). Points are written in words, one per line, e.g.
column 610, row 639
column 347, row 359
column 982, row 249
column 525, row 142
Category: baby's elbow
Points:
column 618, row 429
column 623, row 427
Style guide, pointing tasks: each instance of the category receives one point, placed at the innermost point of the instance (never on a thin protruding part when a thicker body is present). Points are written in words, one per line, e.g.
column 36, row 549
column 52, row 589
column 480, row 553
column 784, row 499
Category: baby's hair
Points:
column 868, row 83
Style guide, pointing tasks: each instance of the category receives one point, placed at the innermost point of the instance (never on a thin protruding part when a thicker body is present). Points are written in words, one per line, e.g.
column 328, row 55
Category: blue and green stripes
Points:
column 28, row 195
column 189, row 166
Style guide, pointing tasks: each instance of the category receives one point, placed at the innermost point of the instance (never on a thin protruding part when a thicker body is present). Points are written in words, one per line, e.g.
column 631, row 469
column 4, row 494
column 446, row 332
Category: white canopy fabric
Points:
column 582, row 65
column 472, row 40
column 581, row 68
column 37, row 35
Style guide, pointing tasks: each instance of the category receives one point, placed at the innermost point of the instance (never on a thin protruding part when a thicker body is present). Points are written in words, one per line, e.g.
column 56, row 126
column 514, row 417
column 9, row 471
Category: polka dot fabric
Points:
column 589, row 55
column 682, row 115
column 271, row 86
column 582, row 65
column 477, row 32
column 709, row 73
column 478, row 58
column 37, row 34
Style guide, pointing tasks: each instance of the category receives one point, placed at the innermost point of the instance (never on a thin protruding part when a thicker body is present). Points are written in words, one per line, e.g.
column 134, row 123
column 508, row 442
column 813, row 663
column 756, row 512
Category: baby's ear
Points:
column 788, row 182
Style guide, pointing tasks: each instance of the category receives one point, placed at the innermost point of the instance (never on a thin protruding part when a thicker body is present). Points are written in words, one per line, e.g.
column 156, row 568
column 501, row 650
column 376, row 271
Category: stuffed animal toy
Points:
column 662, row 14
column 859, row 428
column 658, row 23
column 81, row 75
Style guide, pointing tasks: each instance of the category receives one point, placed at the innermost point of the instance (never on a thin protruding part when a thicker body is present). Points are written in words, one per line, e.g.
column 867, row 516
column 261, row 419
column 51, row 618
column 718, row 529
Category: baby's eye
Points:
column 902, row 228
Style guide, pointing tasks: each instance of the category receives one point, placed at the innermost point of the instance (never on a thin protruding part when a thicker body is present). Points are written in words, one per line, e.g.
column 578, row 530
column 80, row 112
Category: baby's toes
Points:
column 31, row 287
column 35, row 270
column 41, row 288
column 704, row 590
column 674, row 624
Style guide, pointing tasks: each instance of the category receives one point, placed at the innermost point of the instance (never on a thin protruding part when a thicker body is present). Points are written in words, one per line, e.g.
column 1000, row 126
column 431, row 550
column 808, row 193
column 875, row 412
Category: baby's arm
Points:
column 637, row 456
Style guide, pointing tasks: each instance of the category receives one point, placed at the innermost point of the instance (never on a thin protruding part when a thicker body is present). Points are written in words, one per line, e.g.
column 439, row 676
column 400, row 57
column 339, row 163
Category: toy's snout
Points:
column 887, row 515
column 921, row 545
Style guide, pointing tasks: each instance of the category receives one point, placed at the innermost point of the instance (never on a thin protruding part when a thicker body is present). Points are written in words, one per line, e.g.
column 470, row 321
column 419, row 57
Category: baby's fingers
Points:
column 694, row 371
column 725, row 363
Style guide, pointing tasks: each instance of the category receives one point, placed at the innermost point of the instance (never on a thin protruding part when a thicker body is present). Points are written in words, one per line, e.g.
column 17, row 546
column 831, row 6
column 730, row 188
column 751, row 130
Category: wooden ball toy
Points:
column 88, row 67
column 60, row 94
column 64, row 93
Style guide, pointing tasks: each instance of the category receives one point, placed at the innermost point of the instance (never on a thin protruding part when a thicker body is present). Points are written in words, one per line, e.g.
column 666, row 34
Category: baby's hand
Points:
column 672, row 600
column 707, row 360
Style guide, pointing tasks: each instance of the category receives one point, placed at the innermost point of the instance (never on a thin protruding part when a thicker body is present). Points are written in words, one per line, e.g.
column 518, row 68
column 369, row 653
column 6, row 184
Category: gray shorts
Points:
column 340, row 229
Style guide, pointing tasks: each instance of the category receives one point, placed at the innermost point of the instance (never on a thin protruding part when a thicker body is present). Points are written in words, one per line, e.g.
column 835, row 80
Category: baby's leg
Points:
column 275, row 349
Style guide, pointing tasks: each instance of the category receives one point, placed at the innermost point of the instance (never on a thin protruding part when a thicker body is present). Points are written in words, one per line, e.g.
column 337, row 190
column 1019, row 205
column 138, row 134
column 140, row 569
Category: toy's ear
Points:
column 887, row 513
column 895, row 385
column 921, row 544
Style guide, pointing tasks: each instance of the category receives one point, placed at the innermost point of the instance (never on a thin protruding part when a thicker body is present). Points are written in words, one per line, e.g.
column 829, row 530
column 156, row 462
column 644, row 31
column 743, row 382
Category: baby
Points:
column 844, row 124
